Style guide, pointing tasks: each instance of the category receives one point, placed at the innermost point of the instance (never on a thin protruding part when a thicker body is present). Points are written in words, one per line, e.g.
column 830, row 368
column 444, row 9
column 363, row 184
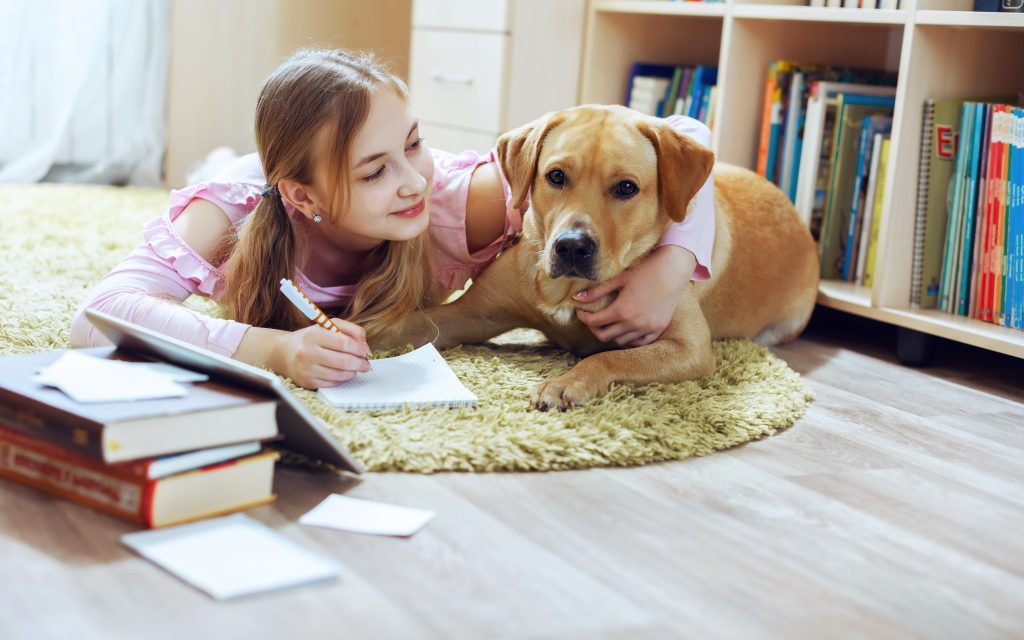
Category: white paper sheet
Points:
column 365, row 516
column 231, row 556
column 420, row 378
column 88, row 379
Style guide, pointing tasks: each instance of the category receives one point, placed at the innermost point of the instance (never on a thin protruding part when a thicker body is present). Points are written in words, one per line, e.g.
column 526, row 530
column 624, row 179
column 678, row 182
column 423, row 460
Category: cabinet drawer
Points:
column 458, row 78
column 486, row 15
column 451, row 139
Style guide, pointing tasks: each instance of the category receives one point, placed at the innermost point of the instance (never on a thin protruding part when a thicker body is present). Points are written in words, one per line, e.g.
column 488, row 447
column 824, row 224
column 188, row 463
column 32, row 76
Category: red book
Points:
column 129, row 490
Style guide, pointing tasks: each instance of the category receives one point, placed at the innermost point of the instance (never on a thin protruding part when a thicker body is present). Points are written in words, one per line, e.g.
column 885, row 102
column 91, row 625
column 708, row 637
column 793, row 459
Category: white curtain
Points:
column 83, row 86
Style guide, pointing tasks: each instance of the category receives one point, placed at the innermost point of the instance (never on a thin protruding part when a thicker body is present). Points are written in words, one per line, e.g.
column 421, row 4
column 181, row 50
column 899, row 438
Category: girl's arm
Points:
column 147, row 290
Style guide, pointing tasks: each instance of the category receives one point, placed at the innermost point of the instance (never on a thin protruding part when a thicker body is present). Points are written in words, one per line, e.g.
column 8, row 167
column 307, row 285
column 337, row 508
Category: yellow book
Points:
column 876, row 218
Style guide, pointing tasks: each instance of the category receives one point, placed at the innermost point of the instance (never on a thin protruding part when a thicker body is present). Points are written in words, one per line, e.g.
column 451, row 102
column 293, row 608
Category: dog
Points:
column 605, row 182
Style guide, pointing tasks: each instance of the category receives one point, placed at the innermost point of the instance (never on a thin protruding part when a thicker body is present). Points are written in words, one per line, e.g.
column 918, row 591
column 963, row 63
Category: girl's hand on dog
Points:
column 648, row 295
column 314, row 357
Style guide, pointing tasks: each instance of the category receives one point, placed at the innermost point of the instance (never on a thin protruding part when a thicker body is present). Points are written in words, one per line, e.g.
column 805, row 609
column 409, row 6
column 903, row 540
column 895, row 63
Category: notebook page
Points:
column 418, row 378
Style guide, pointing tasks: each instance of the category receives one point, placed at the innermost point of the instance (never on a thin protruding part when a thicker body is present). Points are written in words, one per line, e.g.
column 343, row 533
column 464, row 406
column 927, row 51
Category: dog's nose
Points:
column 574, row 247
column 574, row 254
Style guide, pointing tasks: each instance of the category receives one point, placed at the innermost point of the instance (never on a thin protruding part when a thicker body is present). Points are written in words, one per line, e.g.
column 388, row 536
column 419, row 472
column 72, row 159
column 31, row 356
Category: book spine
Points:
column 855, row 205
column 1004, row 238
column 987, row 268
column 948, row 279
column 44, row 467
column 51, row 424
column 970, row 205
column 980, row 223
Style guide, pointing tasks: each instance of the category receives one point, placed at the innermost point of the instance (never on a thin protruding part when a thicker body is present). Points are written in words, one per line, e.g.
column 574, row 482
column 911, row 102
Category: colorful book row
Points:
column 664, row 90
column 968, row 256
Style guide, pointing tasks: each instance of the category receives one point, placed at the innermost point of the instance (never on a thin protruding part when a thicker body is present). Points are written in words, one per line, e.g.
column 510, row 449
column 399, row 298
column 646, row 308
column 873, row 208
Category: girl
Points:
column 344, row 198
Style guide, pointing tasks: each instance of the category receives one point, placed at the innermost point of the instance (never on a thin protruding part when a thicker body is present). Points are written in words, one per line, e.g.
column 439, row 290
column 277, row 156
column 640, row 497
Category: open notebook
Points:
column 420, row 378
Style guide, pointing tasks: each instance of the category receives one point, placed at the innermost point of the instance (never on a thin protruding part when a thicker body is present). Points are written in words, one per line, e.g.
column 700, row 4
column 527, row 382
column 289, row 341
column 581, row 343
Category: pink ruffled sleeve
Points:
column 453, row 263
column 696, row 233
column 149, row 285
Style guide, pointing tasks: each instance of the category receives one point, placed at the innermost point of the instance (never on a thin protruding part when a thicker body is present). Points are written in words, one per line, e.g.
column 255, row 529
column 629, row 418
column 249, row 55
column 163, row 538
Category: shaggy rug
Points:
column 56, row 240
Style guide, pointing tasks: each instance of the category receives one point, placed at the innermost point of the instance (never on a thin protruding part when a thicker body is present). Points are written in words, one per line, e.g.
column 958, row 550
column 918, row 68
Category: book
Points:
column 770, row 112
column 647, row 86
column 792, row 130
column 972, row 147
column 211, row 414
column 302, row 431
column 876, row 223
column 993, row 170
column 979, row 223
column 947, row 282
column 141, row 492
column 851, row 110
column 420, row 378
column 816, row 152
column 1013, row 301
column 940, row 136
column 872, row 125
column 869, row 207
column 1001, row 135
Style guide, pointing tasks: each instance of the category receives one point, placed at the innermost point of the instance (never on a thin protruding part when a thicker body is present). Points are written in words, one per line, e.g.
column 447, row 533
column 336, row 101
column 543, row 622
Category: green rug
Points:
column 56, row 240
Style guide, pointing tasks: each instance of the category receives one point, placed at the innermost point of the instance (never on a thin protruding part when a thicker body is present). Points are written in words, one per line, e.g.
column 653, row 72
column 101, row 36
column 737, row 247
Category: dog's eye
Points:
column 625, row 189
column 556, row 178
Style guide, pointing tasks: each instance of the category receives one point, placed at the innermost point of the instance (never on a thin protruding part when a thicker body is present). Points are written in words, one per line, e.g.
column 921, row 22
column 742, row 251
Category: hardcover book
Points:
column 211, row 414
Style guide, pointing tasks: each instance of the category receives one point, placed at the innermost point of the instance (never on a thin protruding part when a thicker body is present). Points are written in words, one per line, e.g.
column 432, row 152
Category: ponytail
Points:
column 264, row 253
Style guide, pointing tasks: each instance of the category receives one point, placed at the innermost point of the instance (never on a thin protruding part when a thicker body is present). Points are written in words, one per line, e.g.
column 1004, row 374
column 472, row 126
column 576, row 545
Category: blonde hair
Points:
column 312, row 88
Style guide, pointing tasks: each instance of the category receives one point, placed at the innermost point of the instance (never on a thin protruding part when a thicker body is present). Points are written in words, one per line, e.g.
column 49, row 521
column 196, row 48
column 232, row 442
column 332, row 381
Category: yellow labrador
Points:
column 605, row 182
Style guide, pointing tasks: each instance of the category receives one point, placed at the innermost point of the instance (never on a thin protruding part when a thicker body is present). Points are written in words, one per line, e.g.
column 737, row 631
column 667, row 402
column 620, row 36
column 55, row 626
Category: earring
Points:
column 316, row 217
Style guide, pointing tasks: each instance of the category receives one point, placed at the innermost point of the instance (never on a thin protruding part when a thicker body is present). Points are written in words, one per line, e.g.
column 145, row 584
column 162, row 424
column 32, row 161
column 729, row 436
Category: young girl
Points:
column 344, row 198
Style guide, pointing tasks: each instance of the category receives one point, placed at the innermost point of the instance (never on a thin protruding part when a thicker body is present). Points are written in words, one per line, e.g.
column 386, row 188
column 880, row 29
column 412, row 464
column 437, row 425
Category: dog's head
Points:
column 604, row 184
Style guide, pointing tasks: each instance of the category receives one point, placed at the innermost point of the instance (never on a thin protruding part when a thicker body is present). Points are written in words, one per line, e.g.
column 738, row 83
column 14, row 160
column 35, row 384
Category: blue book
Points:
column 1017, row 220
column 648, row 69
column 973, row 147
column 703, row 77
column 872, row 124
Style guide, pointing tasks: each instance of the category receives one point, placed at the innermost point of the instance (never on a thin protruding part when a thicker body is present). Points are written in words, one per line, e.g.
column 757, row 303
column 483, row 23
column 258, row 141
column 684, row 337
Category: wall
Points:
column 222, row 51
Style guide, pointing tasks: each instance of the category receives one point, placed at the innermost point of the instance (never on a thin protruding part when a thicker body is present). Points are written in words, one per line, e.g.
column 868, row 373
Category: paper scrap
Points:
column 231, row 556
column 89, row 379
column 365, row 516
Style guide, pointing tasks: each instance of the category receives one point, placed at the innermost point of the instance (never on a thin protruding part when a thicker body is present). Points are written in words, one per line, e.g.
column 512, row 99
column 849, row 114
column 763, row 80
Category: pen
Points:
column 306, row 305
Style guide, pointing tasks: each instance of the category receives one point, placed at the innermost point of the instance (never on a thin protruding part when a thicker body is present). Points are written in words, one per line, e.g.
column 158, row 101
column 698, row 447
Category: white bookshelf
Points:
column 939, row 47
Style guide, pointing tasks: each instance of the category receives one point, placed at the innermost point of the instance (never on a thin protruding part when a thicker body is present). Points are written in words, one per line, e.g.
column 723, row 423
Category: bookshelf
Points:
column 940, row 48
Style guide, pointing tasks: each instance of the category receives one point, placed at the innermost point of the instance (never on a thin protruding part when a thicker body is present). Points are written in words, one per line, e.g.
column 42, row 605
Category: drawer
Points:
column 486, row 15
column 457, row 78
column 454, row 140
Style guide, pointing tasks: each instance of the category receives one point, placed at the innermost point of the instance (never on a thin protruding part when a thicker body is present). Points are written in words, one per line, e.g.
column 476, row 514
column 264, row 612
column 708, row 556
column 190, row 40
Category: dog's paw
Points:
column 564, row 392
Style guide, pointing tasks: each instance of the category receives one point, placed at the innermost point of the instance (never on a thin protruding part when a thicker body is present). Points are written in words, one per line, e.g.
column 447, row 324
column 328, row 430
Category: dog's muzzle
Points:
column 573, row 255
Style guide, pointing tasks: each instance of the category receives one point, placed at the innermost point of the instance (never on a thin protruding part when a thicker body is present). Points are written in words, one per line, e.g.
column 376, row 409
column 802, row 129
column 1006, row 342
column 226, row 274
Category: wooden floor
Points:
column 894, row 509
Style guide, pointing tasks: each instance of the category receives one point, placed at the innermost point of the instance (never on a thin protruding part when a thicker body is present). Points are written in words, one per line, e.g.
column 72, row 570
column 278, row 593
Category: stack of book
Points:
column 968, row 256
column 824, row 134
column 155, row 462
column 664, row 90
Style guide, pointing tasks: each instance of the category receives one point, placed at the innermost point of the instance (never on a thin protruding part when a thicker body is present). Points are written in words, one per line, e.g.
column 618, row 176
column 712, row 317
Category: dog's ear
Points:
column 519, row 151
column 683, row 167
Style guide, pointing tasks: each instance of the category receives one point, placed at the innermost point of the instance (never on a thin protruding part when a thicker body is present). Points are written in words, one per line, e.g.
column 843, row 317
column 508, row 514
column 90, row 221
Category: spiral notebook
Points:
column 420, row 378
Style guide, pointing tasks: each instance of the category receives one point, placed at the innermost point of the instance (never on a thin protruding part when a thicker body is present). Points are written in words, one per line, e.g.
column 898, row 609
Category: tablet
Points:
column 301, row 429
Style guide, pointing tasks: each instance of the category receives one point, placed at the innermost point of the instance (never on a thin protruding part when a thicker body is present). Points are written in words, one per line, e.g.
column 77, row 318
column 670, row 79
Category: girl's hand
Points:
column 647, row 298
column 314, row 357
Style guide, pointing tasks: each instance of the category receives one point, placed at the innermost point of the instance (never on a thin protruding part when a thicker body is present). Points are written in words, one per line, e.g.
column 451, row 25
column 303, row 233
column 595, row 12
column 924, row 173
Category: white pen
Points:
column 306, row 305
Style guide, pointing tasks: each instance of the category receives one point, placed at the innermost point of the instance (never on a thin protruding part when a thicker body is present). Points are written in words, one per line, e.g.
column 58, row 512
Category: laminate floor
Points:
column 893, row 509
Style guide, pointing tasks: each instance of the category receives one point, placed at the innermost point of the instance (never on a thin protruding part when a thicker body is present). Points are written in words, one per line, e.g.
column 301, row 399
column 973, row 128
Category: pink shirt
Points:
column 164, row 268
